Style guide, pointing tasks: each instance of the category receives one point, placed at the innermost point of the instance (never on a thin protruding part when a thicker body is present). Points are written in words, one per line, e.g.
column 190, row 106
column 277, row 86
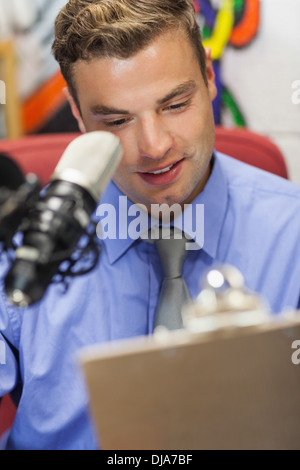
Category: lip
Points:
column 163, row 178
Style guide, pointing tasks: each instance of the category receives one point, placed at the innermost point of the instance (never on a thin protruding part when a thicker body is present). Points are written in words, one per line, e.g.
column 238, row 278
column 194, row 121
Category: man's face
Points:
column 158, row 105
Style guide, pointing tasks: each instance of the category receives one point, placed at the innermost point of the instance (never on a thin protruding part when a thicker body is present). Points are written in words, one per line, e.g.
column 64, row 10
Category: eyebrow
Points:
column 105, row 110
column 181, row 89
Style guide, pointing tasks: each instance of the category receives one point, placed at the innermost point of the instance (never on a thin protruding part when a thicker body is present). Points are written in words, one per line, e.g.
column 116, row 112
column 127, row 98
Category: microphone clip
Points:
column 83, row 260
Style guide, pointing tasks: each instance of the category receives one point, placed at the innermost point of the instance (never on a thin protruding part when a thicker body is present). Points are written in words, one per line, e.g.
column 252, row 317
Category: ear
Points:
column 75, row 110
column 210, row 74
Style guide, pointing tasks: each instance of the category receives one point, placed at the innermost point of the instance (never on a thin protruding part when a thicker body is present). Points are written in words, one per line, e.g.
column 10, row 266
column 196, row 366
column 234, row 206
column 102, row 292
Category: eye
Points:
column 117, row 122
column 177, row 106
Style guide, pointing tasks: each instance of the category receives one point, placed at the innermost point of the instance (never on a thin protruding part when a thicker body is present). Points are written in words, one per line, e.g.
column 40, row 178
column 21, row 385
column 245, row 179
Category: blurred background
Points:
column 255, row 47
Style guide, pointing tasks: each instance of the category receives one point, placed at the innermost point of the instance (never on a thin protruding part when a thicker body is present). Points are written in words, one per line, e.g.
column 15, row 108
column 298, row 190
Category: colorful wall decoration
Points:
column 29, row 24
column 224, row 23
column 233, row 23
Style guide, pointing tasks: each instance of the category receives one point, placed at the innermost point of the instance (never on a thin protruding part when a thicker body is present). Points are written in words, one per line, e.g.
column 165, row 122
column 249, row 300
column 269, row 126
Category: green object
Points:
column 230, row 103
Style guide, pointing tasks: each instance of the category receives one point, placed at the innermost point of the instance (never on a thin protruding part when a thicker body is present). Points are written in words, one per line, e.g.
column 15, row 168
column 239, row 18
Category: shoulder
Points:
column 244, row 179
column 260, row 204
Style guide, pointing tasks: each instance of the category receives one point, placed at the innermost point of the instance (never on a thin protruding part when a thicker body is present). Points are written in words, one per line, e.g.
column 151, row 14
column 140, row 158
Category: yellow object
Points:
column 12, row 109
column 222, row 31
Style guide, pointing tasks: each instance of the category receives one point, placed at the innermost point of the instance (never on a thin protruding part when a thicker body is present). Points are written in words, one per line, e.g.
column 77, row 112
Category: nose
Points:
column 155, row 139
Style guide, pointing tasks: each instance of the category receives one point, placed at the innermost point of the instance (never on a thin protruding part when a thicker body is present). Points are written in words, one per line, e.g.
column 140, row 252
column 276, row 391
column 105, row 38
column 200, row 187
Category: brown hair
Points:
column 86, row 29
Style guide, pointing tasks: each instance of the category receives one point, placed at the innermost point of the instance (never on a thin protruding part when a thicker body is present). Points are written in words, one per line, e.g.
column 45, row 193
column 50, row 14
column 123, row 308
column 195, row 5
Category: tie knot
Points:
column 171, row 247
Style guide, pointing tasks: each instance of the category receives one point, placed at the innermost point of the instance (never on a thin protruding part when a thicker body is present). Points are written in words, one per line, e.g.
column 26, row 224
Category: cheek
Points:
column 125, row 181
column 203, row 127
column 127, row 140
column 195, row 123
column 127, row 165
column 119, row 179
column 130, row 149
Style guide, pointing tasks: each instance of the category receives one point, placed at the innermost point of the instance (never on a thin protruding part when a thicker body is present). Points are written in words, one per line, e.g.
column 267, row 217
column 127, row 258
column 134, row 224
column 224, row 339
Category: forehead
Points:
column 151, row 73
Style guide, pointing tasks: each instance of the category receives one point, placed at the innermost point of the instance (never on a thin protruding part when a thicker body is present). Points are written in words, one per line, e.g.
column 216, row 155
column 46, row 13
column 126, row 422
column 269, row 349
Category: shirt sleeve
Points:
column 9, row 365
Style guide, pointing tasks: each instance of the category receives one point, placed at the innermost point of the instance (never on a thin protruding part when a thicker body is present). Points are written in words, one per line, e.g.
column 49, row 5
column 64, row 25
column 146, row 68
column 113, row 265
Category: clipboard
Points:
column 228, row 389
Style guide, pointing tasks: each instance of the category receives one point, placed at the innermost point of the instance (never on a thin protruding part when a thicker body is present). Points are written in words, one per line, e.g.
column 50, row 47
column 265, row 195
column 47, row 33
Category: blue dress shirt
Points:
column 251, row 220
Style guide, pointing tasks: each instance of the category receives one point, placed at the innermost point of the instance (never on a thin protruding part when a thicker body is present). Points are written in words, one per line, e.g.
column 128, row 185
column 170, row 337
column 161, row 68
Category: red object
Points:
column 40, row 153
column 247, row 28
column 250, row 147
column 7, row 413
column 43, row 103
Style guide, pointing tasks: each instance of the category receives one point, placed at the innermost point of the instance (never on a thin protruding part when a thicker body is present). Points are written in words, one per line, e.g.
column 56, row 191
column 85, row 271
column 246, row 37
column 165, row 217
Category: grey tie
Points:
column 174, row 292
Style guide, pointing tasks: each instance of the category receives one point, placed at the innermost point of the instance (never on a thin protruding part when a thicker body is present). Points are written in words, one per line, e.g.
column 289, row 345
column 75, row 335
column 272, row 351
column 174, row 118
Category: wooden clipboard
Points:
column 230, row 389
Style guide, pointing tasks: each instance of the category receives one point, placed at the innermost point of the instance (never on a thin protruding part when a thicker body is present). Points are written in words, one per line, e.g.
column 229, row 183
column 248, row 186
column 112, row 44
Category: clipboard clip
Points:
column 224, row 302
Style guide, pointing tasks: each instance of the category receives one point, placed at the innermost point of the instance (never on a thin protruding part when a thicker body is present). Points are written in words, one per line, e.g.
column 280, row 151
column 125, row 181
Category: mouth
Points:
column 162, row 176
column 164, row 170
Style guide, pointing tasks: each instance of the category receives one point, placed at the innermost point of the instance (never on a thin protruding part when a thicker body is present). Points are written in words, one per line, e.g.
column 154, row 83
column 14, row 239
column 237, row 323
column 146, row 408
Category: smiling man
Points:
column 137, row 68
column 160, row 108
column 156, row 98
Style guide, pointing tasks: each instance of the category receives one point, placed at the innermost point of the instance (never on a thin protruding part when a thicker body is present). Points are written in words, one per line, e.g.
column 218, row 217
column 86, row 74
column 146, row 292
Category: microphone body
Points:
column 11, row 176
column 17, row 193
column 62, row 216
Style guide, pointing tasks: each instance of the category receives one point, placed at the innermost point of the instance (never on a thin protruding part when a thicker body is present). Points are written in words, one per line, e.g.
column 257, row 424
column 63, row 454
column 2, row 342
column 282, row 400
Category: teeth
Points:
column 161, row 171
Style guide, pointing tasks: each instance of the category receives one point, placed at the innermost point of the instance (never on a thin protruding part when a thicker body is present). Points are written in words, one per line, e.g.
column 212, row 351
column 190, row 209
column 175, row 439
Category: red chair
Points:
column 40, row 153
column 37, row 154
column 250, row 147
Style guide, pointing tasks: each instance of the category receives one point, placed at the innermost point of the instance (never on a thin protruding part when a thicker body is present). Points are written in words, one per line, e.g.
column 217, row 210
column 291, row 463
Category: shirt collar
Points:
column 214, row 197
column 114, row 208
column 209, row 207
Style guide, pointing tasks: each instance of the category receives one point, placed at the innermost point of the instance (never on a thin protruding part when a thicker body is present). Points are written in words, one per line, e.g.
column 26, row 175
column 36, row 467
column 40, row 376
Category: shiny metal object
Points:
column 224, row 302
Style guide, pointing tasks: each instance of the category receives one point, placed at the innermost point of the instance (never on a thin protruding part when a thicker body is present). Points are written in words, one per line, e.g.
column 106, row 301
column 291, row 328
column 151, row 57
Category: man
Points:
column 137, row 69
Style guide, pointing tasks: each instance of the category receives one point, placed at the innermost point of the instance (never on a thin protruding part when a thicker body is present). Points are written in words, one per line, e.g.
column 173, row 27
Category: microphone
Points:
column 58, row 232
column 17, row 193
column 11, row 176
